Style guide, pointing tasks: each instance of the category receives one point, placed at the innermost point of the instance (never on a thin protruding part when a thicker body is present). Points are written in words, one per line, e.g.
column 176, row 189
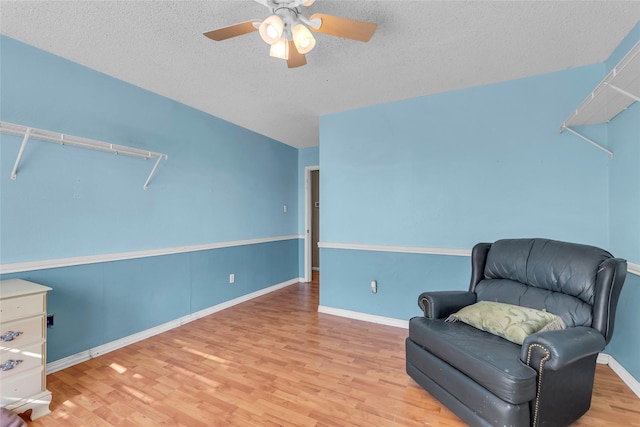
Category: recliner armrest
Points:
column 557, row 349
column 437, row 305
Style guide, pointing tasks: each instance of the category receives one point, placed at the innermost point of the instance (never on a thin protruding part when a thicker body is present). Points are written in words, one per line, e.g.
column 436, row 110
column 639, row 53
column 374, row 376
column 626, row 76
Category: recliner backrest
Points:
column 562, row 267
column 580, row 283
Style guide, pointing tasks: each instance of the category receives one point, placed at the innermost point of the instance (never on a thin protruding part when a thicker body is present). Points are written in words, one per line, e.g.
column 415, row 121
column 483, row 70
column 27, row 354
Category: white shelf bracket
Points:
column 146, row 184
column 624, row 92
column 14, row 171
column 579, row 135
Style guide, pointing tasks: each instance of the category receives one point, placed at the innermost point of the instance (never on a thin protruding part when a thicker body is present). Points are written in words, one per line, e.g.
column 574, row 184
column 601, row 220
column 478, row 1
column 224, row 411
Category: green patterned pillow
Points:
column 511, row 322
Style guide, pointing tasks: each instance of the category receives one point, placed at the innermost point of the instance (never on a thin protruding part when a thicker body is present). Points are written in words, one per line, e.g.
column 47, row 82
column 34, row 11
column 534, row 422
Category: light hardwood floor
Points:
column 272, row 361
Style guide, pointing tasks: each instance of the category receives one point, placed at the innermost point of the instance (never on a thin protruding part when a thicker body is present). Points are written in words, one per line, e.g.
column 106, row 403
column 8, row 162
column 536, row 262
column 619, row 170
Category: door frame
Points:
column 307, row 221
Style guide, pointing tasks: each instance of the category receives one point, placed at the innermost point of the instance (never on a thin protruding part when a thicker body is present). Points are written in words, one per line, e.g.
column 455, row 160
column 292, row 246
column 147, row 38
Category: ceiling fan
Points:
column 287, row 29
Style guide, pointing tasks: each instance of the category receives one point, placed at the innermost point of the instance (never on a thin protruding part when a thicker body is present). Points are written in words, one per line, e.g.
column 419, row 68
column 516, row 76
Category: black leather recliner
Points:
column 548, row 380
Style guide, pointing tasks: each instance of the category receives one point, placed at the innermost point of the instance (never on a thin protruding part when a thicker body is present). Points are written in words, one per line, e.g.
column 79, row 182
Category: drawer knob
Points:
column 10, row 336
column 10, row 364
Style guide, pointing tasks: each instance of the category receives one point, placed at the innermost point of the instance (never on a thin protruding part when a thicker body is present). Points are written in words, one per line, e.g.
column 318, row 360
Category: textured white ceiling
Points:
column 420, row 48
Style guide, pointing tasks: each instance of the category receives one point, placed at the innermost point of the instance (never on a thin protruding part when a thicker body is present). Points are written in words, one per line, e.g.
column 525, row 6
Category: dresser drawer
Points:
column 28, row 330
column 18, row 387
column 31, row 356
column 24, row 306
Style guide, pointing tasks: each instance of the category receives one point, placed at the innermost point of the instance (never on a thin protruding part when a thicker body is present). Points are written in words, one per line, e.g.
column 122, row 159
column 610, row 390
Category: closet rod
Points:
column 74, row 141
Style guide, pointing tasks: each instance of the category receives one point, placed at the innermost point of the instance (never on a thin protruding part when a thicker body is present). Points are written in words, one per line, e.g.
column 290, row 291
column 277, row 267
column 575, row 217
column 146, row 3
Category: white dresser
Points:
column 23, row 347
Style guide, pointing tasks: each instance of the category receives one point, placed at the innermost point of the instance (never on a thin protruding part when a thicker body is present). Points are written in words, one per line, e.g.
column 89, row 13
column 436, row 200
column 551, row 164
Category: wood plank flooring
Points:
column 272, row 361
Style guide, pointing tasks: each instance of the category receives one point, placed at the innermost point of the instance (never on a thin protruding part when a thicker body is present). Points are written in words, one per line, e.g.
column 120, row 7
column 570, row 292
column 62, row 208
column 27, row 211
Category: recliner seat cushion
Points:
column 491, row 361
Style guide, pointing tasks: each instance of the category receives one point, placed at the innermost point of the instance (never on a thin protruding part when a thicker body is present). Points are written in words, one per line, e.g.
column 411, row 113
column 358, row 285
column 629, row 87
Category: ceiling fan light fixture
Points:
column 271, row 29
column 280, row 49
column 303, row 39
column 288, row 30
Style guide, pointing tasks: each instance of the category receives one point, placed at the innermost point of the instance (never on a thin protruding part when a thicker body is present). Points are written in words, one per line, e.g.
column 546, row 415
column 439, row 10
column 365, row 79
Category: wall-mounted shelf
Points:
column 619, row 89
column 75, row 141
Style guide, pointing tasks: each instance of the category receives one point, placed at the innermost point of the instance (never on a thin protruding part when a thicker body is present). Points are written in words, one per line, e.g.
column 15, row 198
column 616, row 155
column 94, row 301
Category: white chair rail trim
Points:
column 631, row 267
column 120, row 256
column 391, row 248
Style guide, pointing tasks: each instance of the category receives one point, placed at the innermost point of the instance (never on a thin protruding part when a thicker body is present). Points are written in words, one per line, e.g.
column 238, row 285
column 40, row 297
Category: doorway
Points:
column 312, row 222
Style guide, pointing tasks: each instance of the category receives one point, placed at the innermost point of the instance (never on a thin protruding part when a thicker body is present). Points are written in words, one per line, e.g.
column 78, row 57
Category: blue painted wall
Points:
column 448, row 171
column 221, row 183
column 624, row 140
column 625, row 344
column 453, row 169
column 98, row 303
column 480, row 164
column 401, row 277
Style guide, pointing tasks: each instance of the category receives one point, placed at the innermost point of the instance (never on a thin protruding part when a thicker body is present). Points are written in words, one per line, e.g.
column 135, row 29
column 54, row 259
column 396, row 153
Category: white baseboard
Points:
column 389, row 321
column 74, row 359
column 603, row 358
column 625, row 376
column 83, row 356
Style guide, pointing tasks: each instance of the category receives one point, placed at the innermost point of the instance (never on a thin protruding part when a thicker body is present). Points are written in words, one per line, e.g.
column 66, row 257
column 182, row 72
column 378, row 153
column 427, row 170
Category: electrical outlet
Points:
column 374, row 286
column 285, row 208
column 50, row 320
column 232, row 278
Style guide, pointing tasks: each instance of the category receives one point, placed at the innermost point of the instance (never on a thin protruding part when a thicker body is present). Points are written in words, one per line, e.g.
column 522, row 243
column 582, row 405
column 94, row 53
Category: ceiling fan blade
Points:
column 232, row 30
column 296, row 59
column 344, row 27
